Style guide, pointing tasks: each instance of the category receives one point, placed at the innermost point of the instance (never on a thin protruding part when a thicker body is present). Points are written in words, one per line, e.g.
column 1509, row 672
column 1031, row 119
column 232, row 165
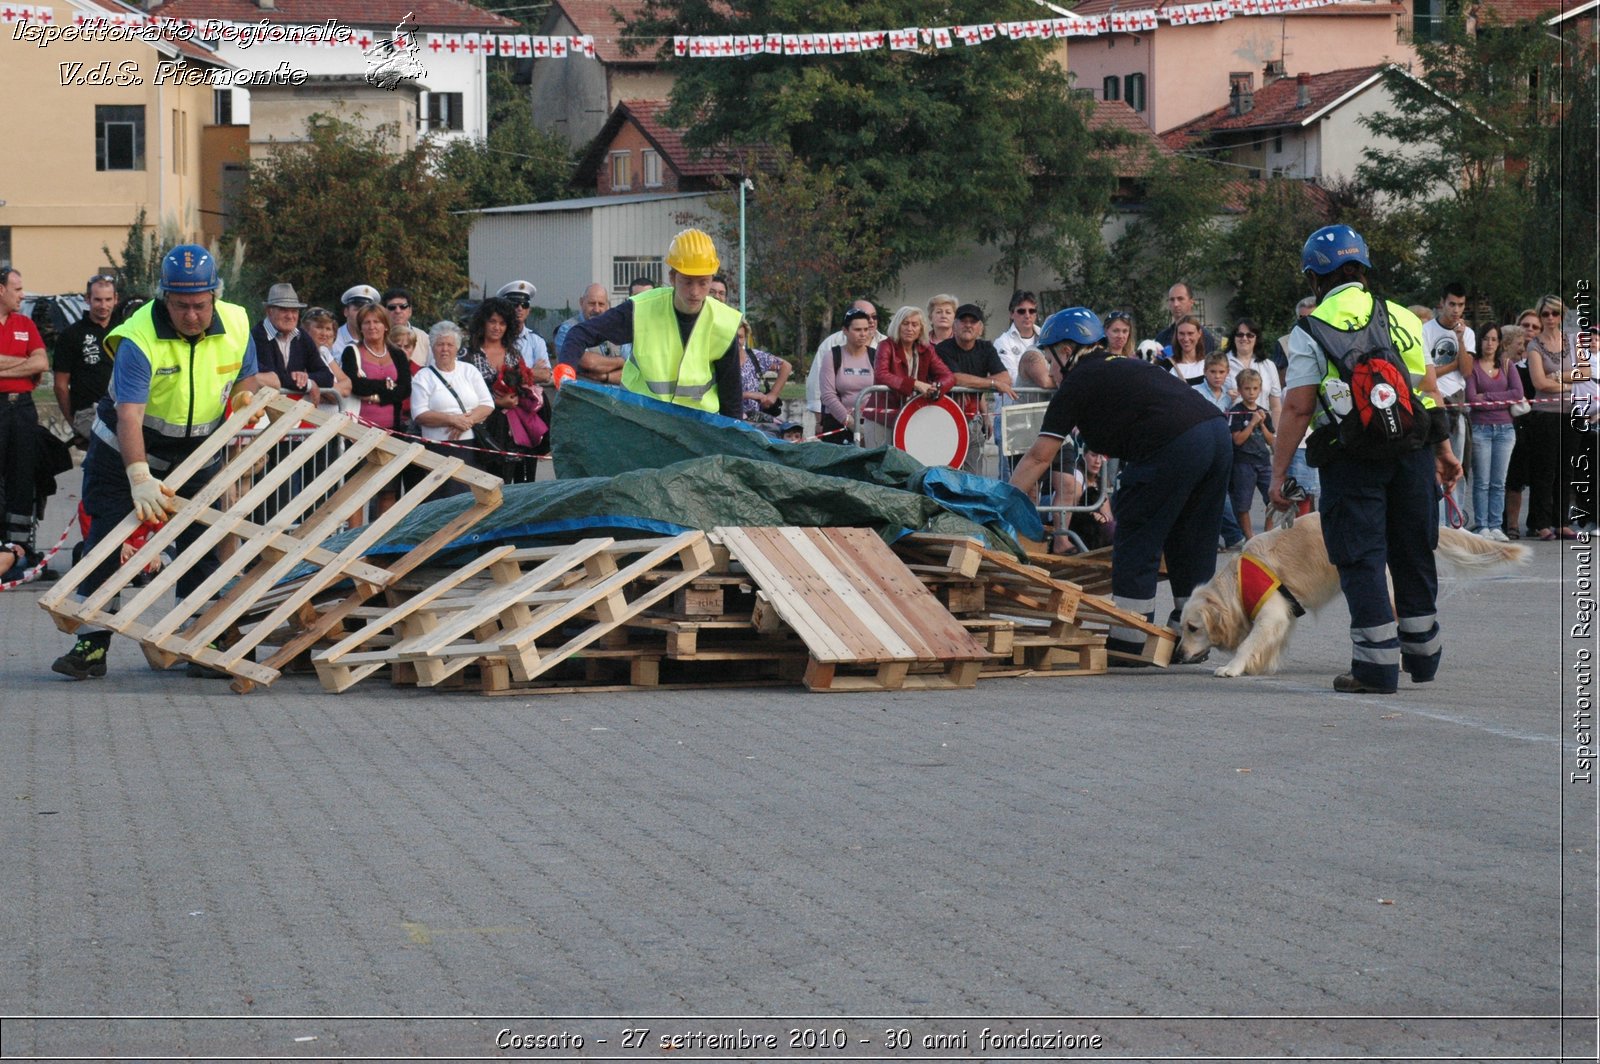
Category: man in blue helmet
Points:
column 176, row 361
column 1379, row 503
column 1175, row 452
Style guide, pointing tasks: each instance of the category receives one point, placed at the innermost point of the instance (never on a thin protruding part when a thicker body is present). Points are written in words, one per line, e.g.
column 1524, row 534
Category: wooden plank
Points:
column 878, row 567
column 810, row 546
column 790, row 604
column 820, row 618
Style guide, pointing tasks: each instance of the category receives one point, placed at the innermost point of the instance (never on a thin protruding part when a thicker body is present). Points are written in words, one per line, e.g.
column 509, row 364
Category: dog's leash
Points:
column 1452, row 512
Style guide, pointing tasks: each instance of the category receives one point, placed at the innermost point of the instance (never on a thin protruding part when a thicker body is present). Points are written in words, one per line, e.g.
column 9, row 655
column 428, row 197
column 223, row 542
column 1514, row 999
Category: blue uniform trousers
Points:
column 1380, row 518
column 107, row 499
column 1171, row 502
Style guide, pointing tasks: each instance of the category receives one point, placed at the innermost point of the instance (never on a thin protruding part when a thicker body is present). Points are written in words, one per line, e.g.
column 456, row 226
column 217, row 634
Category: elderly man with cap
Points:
column 684, row 341
column 287, row 355
column 530, row 345
column 176, row 361
column 1175, row 452
column 354, row 299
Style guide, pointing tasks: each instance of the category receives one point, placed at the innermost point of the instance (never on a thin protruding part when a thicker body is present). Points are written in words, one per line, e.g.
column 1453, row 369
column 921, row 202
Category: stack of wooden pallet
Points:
column 833, row 609
column 242, row 606
column 1034, row 623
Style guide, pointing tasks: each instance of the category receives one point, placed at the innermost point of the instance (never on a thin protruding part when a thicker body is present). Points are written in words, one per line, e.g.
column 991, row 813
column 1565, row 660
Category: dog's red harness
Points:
column 1257, row 583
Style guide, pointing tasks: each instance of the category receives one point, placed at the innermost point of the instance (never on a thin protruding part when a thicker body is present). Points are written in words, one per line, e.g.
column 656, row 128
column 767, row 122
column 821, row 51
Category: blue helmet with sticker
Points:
column 1078, row 324
column 1331, row 247
column 189, row 268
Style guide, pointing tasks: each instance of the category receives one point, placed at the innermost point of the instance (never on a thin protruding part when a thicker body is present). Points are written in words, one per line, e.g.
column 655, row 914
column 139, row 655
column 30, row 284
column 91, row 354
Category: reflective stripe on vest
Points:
column 662, row 367
column 189, row 384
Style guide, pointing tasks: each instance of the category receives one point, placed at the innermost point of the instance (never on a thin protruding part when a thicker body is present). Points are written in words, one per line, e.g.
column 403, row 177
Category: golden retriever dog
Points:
column 1215, row 614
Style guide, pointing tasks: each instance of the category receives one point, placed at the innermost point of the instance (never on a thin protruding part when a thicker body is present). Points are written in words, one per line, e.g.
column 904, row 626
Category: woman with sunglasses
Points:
column 1121, row 341
column 1242, row 347
column 1554, row 448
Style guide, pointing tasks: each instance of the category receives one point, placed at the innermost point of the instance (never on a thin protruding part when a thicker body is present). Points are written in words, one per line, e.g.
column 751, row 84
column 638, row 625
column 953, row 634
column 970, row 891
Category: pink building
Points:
column 1173, row 74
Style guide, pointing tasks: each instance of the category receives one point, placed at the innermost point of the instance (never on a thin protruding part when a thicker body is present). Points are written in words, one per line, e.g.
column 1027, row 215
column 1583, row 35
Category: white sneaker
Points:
column 1497, row 535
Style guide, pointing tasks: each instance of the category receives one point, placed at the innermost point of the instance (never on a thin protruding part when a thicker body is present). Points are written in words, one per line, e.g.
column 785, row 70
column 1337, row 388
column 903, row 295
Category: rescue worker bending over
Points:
column 1176, row 453
column 683, row 339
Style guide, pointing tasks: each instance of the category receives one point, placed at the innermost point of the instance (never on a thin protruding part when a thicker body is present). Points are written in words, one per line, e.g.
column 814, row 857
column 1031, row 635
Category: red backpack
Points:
column 1386, row 415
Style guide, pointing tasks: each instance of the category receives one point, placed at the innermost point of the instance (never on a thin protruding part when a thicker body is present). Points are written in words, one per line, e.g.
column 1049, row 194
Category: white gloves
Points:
column 152, row 500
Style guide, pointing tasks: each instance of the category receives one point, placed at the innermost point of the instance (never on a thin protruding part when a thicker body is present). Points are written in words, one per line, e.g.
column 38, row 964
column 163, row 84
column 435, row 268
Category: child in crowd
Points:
column 1215, row 386
column 1253, row 436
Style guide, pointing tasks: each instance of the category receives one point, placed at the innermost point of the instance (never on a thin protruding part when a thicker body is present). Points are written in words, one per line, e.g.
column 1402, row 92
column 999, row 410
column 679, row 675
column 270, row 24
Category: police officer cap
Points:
column 1331, row 247
column 359, row 293
column 518, row 292
column 1078, row 324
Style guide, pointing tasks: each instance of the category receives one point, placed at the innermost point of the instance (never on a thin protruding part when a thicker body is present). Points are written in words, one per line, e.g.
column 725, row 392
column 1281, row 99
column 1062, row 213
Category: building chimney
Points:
column 1302, row 90
column 1274, row 70
column 1241, row 92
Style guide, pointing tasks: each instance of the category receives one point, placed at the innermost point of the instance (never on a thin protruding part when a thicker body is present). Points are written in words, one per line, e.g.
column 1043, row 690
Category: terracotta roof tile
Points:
column 192, row 50
column 647, row 113
column 1133, row 160
column 1504, row 12
column 596, row 19
column 429, row 14
column 1274, row 106
column 1358, row 7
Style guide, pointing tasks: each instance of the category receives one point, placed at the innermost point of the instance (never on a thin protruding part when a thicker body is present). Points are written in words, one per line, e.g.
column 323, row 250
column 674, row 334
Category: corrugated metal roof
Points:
column 588, row 202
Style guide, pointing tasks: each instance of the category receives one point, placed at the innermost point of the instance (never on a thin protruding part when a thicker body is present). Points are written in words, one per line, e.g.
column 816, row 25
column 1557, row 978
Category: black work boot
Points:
column 86, row 659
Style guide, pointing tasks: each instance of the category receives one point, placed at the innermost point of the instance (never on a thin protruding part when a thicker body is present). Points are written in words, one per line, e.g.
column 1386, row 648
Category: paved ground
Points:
column 1100, row 857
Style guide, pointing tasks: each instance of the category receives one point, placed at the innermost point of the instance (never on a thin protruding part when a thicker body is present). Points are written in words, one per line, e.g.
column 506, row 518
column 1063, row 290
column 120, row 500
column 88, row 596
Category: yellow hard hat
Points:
column 693, row 253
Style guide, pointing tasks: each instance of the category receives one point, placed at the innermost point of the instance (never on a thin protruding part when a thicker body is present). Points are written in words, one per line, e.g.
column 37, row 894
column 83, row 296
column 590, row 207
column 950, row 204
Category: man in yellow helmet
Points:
column 684, row 341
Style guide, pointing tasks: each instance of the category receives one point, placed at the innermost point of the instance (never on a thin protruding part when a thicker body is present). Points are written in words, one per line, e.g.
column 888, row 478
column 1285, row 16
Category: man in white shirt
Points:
column 1024, row 331
column 825, row 349
column 1450, row 343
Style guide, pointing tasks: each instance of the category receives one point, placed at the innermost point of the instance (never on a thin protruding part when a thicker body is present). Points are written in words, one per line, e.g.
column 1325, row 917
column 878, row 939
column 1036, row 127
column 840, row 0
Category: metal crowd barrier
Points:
column 295, row 484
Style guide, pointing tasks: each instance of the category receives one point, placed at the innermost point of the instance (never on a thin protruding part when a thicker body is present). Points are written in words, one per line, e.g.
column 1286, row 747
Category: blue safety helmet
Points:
column 1078, row 324
column 189, row 268
column 1331, row 247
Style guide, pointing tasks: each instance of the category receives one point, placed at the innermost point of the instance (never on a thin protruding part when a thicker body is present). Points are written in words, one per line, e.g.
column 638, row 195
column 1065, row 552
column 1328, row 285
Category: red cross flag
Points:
column 452, row 43
column 558, row 47
column 942, row 37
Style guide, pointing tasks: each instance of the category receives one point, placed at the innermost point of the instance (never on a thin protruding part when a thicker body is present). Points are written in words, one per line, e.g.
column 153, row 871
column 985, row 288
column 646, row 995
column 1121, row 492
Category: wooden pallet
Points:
column 226, row 607
column 593, row 586
column 1100, row 614
column 865, row 619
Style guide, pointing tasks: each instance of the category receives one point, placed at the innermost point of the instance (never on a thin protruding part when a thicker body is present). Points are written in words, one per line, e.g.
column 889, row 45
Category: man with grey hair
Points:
column 594, row 302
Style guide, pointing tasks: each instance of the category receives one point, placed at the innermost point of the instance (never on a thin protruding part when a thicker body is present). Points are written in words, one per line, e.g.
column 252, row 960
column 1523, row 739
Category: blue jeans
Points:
column 1491, row 457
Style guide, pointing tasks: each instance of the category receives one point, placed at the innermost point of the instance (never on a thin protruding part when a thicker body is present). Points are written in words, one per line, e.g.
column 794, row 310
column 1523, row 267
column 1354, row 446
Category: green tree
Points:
column 1483, row 95
column 807, row 249
column 1170, row 239
column 518, row 162
column 937, row 147
column 340, row 208
column 1259, row 255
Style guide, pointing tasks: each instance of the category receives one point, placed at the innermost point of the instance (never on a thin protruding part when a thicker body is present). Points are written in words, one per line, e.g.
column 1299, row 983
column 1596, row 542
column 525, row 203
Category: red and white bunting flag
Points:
column 471, row 43
column 505, row 45
column 943, row 37
column 835, row 43
column 791, row 44
column 905, row 40
column 969, row 34
column 872, row 40
column 574, row 45
column 852, row 42
column 987, row 31
column 741, row 44
column 523, row 46
column 435, row 43
column 558, row 47
column 725, row 47
column 588, row 45
column 452, row 43
column 697, row 47
column 775, row 44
